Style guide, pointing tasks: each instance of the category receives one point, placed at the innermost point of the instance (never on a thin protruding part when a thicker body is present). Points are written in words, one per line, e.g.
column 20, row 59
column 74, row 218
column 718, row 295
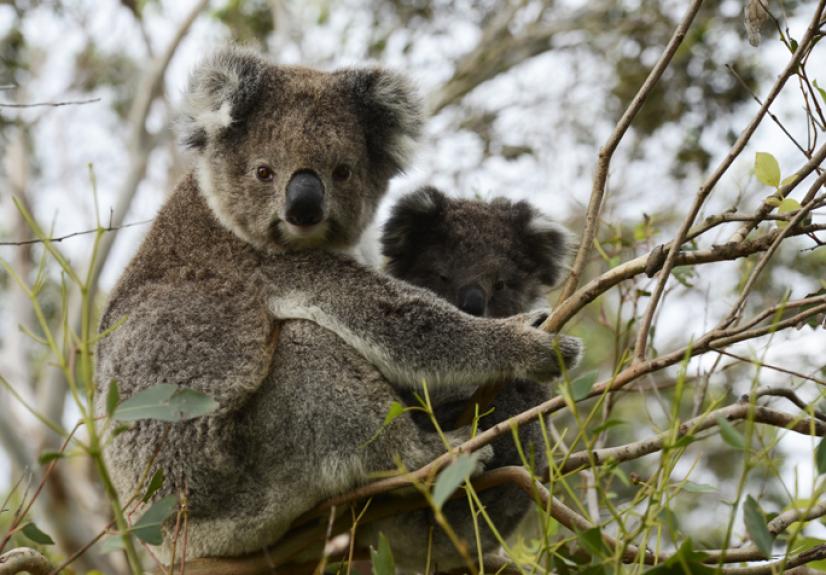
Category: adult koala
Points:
column 290, row 164
column 490, row 259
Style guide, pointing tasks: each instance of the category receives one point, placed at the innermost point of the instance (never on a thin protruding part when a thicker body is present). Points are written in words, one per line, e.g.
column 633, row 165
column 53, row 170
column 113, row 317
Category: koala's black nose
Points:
column 472, row 300
column 305, row 199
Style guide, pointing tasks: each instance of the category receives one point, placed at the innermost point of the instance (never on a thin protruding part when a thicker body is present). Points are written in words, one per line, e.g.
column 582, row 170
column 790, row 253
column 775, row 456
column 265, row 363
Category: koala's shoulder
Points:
column 185, row 251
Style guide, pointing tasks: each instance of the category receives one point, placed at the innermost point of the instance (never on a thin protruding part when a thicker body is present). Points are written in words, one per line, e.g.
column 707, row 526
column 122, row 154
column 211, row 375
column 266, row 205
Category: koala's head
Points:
column 290, row 157
column 490, row 259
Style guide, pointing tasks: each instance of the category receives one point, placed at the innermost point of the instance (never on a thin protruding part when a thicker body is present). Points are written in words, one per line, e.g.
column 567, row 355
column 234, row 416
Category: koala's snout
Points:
column 472, row 300
column 305, row 199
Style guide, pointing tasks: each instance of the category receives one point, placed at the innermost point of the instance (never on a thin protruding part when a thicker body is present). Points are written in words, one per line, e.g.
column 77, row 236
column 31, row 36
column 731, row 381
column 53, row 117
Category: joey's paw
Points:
column 553, row 354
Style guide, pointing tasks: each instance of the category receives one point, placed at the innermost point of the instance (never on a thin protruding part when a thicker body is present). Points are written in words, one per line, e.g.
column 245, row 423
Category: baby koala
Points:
column 491, row 259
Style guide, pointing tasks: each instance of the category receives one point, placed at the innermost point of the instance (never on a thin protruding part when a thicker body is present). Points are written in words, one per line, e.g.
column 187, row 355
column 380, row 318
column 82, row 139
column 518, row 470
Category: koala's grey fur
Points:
column 511, row 253
column 294, row 340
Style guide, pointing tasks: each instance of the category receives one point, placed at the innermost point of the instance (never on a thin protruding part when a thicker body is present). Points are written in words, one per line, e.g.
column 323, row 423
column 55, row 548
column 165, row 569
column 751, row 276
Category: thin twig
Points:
column 51, row 104
column 74, row 234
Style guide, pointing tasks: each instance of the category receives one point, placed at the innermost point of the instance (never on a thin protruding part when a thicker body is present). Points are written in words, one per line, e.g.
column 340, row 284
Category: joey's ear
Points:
column 221, row 91
column 412, row 221
column 544, row 243
column 390, row 110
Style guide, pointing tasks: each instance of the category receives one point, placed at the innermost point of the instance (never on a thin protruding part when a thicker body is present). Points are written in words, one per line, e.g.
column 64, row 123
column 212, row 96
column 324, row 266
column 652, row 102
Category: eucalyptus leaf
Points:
column 452, row 477
column 49, row 456
column 591, row 541
column 820, row 456
column 757, row 527
column 165, row 402
column 730, row 435
column 396, row 409
column 767, row 169
column 33, row 532
column 382, row 558
column 110, row 544
column 154, row 484
column 148, row 527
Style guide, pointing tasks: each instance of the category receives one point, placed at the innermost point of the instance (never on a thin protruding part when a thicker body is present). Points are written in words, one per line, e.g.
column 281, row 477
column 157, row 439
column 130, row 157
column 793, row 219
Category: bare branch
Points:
column 51, row 104
column 75, row 234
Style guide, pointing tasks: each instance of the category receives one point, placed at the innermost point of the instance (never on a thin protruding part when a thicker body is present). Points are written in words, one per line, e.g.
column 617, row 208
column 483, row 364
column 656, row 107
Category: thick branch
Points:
column 24, row 559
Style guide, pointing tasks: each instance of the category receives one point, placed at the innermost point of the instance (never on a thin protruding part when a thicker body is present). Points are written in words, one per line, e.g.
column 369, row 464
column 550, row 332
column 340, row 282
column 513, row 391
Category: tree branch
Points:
column 705, row 189
column 24, row 559
column 607, row 151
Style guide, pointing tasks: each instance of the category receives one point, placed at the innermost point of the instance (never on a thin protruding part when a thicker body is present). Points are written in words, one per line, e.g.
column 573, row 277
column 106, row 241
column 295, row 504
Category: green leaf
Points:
column 581, row 386
column 685, row 561
column 731, row 435
column 820, row 456
column 49, row 456
column 767, row 169
column 31, row 531
column 382, row 558
column 789, row 179
column 788, row 205
column 396, row 409
column 112, row 398
column 821, row 90
column 692, row 487
column 165, row 402
column 114, row 543
column 452, row 476
column 154, row 484
column 591, row 541
column 148, row 527
column 756, row 526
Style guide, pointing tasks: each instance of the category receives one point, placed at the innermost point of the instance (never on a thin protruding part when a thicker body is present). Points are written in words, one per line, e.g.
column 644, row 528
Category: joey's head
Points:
column 491, row 259
column 290, row 157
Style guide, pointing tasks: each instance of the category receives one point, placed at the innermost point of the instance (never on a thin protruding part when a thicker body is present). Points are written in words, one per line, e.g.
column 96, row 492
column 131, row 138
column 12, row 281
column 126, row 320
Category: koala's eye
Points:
column 264, row 173
column 342, row 173
column 499, row 285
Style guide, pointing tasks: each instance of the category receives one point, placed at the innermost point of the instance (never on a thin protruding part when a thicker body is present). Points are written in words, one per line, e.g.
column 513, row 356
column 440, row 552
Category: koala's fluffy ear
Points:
column 544, row 242
column 221, row 91
column 412, row 219
column 391, row 112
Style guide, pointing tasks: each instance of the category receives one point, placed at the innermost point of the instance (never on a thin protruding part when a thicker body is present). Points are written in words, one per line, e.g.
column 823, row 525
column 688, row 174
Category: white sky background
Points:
column 557, row 179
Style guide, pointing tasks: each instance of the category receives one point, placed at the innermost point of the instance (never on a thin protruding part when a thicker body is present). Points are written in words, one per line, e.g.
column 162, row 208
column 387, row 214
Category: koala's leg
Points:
column 407, row 332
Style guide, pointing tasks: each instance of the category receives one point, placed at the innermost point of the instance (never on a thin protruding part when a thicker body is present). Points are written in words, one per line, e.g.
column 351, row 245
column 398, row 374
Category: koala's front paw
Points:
column 550, row 354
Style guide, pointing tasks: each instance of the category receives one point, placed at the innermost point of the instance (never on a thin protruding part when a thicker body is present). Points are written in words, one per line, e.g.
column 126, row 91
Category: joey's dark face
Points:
column 492, row 259
column 290, row 157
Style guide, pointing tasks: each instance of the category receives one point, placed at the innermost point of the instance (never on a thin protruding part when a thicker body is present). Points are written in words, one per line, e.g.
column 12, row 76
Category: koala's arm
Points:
column 407, row 332
column 200, row 337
